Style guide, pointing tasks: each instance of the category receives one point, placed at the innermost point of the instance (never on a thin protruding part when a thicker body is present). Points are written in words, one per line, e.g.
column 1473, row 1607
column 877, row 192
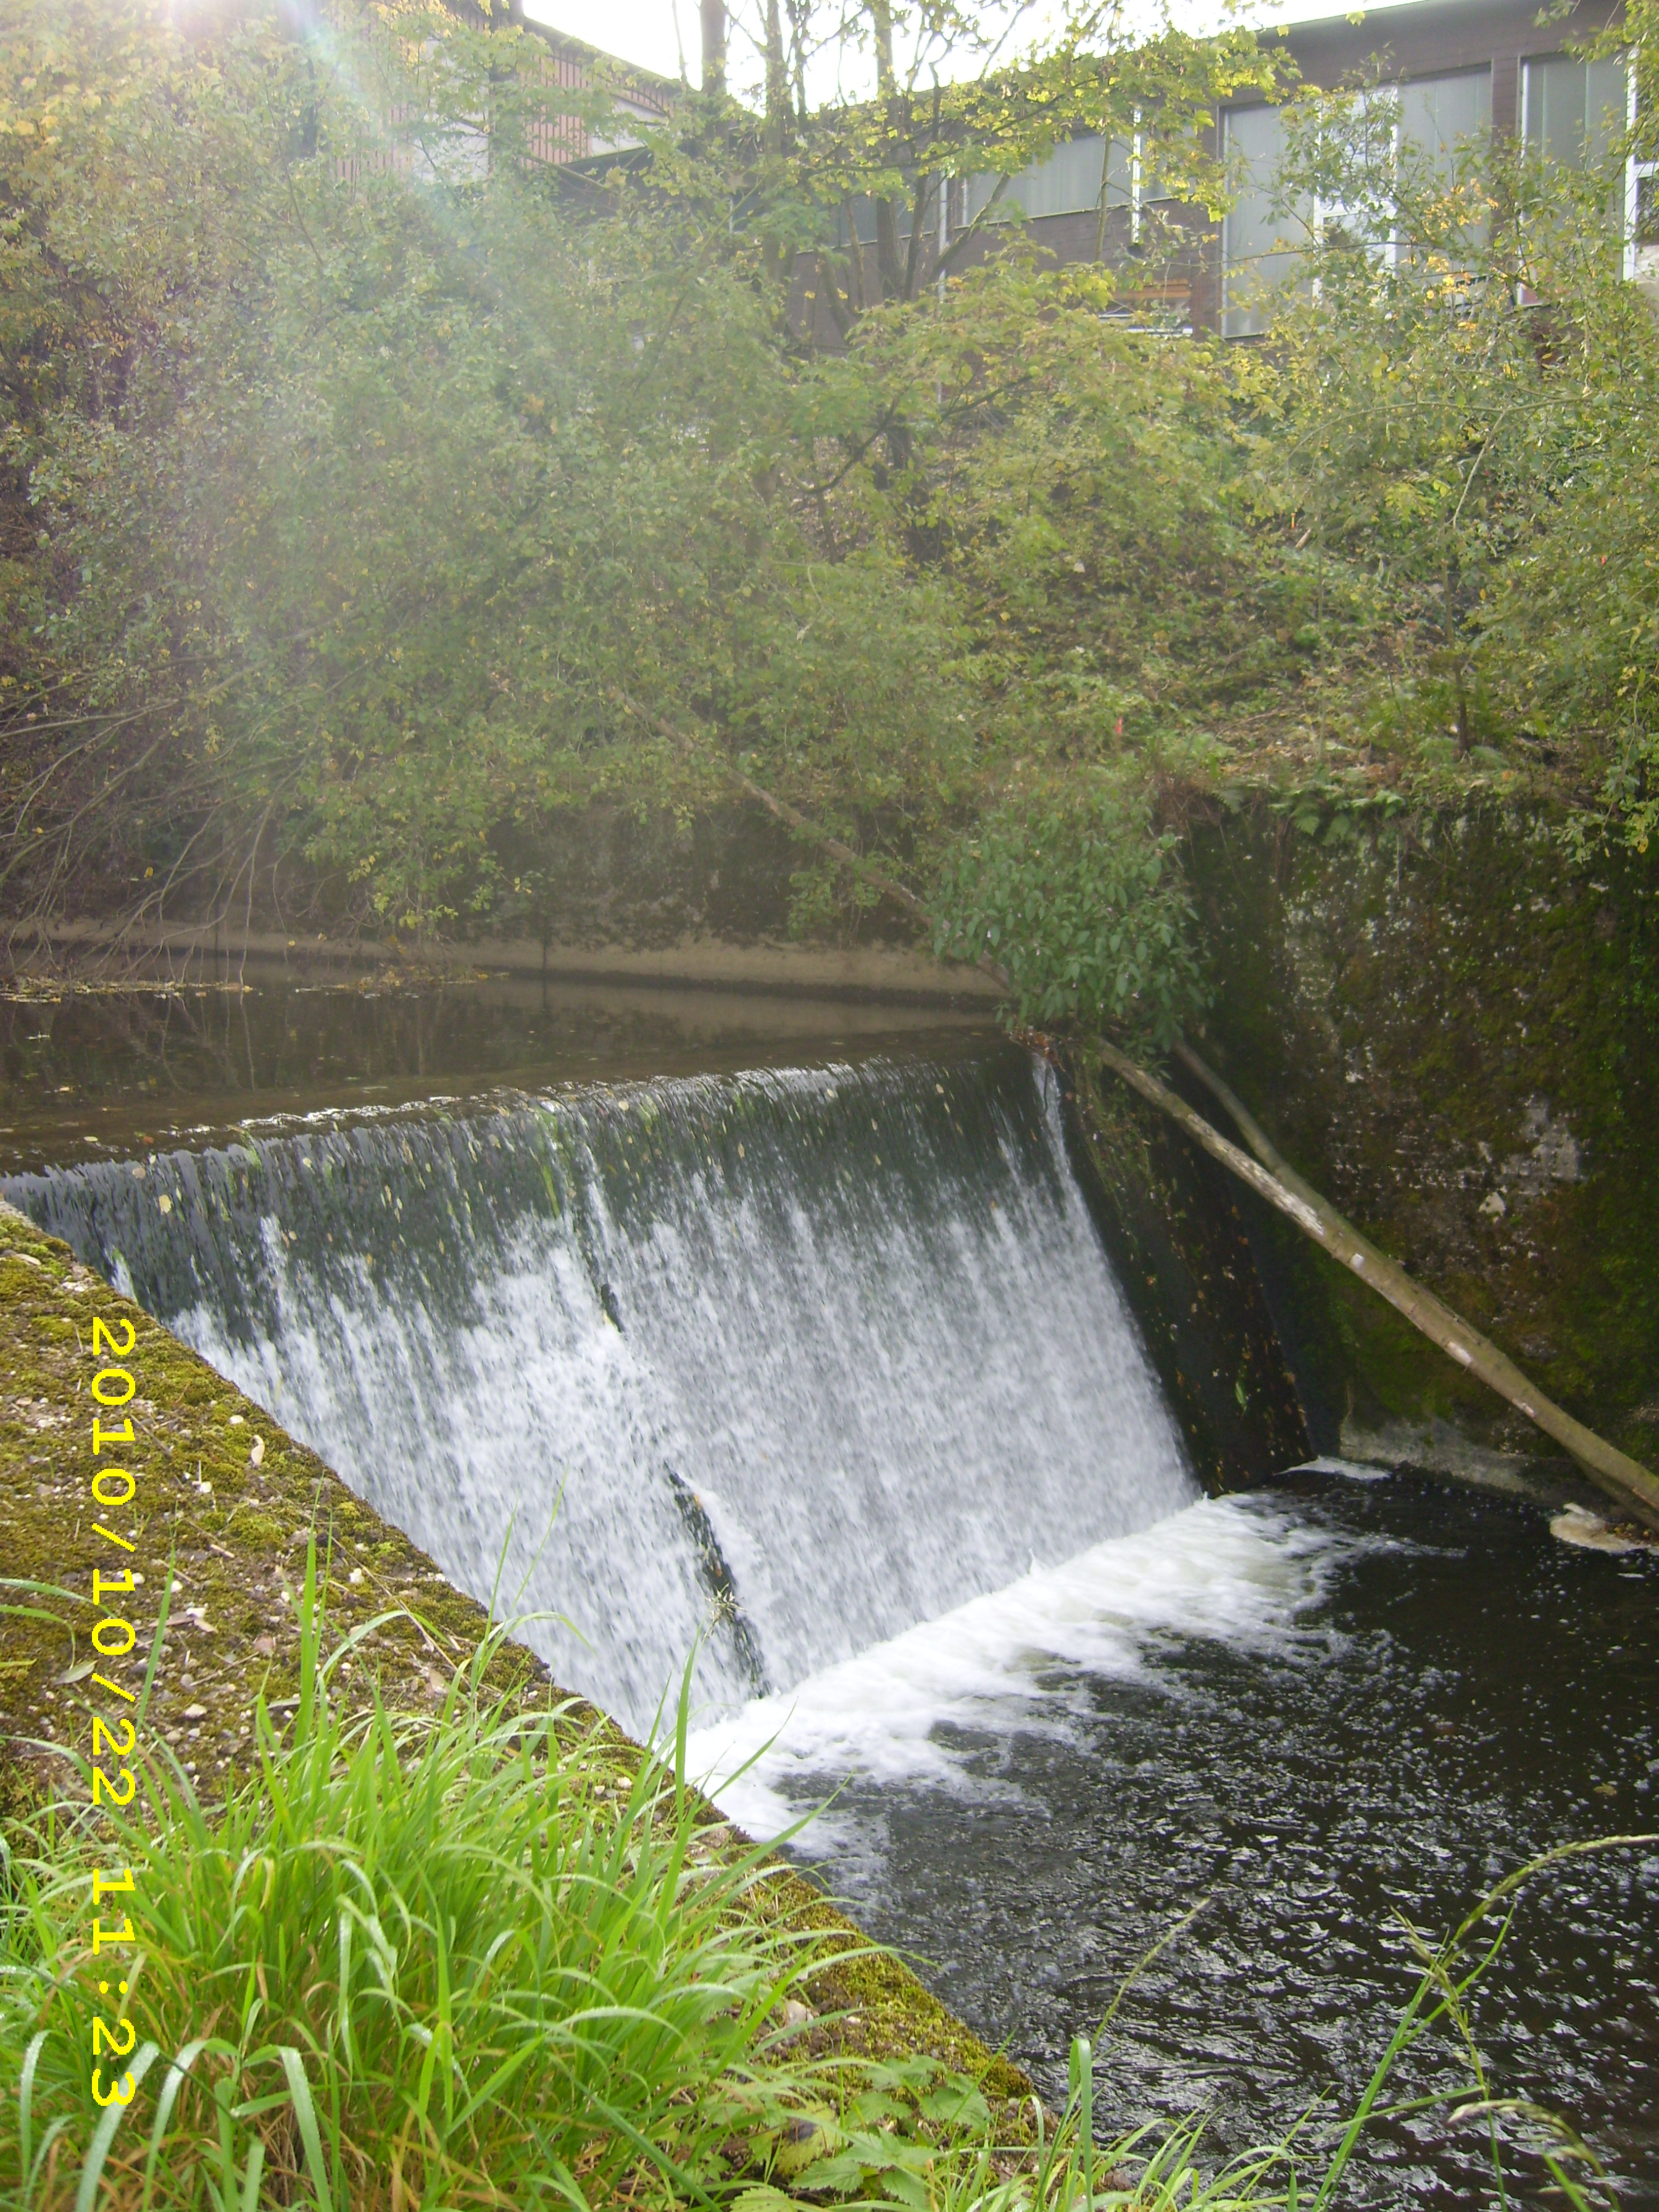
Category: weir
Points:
column 773, row 1367
column 826, row 1376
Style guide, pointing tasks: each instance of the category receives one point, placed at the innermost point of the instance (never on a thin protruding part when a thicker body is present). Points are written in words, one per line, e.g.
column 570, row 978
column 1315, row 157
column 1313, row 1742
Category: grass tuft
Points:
column 456, row 1958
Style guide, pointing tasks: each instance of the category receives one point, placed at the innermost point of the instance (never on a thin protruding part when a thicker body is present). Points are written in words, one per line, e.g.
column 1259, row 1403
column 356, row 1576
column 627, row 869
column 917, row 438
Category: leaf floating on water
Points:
column 1576, row 1525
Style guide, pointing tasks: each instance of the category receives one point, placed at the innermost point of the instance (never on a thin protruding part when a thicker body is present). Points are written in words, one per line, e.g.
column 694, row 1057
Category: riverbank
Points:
column 893, row 973
column 228, row 1504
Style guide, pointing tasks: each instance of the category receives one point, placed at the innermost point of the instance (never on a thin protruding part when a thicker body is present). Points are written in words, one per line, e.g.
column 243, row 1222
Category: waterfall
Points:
column 793, row 1361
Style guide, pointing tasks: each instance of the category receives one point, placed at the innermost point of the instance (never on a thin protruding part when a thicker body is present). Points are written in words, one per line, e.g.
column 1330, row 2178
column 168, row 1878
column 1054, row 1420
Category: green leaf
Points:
column 901, row 2187
column 306, row 2113
column 92, row 2166
column 762, row 2196
column 958, row 2104
column 834, row 2177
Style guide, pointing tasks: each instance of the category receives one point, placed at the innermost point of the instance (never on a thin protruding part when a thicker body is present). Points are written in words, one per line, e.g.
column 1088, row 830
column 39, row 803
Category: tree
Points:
column 385, row 494
column 892, row 158
column 385, row 488
column 1459, row 412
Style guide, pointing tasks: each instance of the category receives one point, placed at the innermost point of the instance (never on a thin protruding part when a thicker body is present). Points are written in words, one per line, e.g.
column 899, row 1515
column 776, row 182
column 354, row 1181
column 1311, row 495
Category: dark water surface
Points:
column 91, row 1075
column 1464, row 1691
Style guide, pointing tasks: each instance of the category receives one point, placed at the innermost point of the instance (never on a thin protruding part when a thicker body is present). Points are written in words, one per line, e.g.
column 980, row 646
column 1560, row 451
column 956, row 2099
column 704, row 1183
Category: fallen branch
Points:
column 1274, row 1179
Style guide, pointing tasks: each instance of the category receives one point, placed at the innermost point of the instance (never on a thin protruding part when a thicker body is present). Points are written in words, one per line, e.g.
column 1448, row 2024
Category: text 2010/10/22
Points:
column 114, row 1734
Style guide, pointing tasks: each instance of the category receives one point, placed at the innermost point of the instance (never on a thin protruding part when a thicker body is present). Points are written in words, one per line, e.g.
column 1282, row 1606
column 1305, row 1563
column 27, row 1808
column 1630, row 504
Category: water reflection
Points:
column 91, row 1075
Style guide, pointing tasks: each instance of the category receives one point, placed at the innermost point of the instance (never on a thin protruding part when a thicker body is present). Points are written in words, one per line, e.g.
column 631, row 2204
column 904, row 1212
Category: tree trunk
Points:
column 881, row 18
column 890, row 269
column 776, row 130
column 800, row 18
column 779, row 112
column 714, row 46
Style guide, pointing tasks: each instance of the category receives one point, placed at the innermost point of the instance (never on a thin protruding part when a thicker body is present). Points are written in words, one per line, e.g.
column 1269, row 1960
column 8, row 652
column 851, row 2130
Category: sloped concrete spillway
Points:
column 790, row 1362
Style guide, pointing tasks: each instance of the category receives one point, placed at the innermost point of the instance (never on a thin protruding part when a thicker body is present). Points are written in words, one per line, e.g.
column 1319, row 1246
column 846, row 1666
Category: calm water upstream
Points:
column 86, row 1075
column 817, row 1348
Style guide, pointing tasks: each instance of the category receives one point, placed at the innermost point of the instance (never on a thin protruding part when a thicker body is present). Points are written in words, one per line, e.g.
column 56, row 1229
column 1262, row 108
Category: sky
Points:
column 644, row 31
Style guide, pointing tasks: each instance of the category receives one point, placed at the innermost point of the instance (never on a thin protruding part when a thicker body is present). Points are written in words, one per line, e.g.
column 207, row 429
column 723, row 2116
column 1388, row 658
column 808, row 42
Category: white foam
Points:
column 1350, row 1470
column 1235, row 1569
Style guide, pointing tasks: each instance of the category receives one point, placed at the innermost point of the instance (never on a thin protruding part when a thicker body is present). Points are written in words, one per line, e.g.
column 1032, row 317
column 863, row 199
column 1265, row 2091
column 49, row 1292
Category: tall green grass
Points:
column 467, row 1958
column 475, row 1958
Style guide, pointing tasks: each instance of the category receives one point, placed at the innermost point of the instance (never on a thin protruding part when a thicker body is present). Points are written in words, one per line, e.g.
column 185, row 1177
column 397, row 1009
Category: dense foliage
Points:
column 1466, row 416
column 1086, row 909
column 373, row 494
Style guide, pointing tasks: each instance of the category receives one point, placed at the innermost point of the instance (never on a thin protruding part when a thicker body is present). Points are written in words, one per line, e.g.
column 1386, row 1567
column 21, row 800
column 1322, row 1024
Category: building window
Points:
column 1260, row 250
column 1575, row 112
column 1068, row 183
column 1642, row 252
column 1440, row 114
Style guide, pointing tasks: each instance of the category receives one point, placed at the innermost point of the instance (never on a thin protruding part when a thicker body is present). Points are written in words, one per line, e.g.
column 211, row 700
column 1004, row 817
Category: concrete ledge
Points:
column 899, row 974
column 1436, row 1448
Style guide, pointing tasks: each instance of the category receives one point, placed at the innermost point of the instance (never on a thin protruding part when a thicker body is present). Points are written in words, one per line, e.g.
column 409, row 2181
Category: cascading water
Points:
column 795, row 1361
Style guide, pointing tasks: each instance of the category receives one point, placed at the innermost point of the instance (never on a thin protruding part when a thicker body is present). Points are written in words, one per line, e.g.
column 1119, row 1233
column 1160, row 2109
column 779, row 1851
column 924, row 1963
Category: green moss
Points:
column 894, row 2011
column 262, row 1530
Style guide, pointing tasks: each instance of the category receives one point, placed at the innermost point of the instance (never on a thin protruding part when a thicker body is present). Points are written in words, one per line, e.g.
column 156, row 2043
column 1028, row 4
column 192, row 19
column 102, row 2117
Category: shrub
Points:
column 1083, row 903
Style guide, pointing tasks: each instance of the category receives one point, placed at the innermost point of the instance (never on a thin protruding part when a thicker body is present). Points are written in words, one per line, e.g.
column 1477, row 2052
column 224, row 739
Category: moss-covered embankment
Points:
column 1453, row 1037
column 229, row 1502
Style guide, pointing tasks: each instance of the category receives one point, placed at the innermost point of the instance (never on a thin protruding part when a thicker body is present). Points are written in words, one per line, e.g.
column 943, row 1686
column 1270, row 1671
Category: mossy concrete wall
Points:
column 1453, row 1037
column 1171, row 1222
